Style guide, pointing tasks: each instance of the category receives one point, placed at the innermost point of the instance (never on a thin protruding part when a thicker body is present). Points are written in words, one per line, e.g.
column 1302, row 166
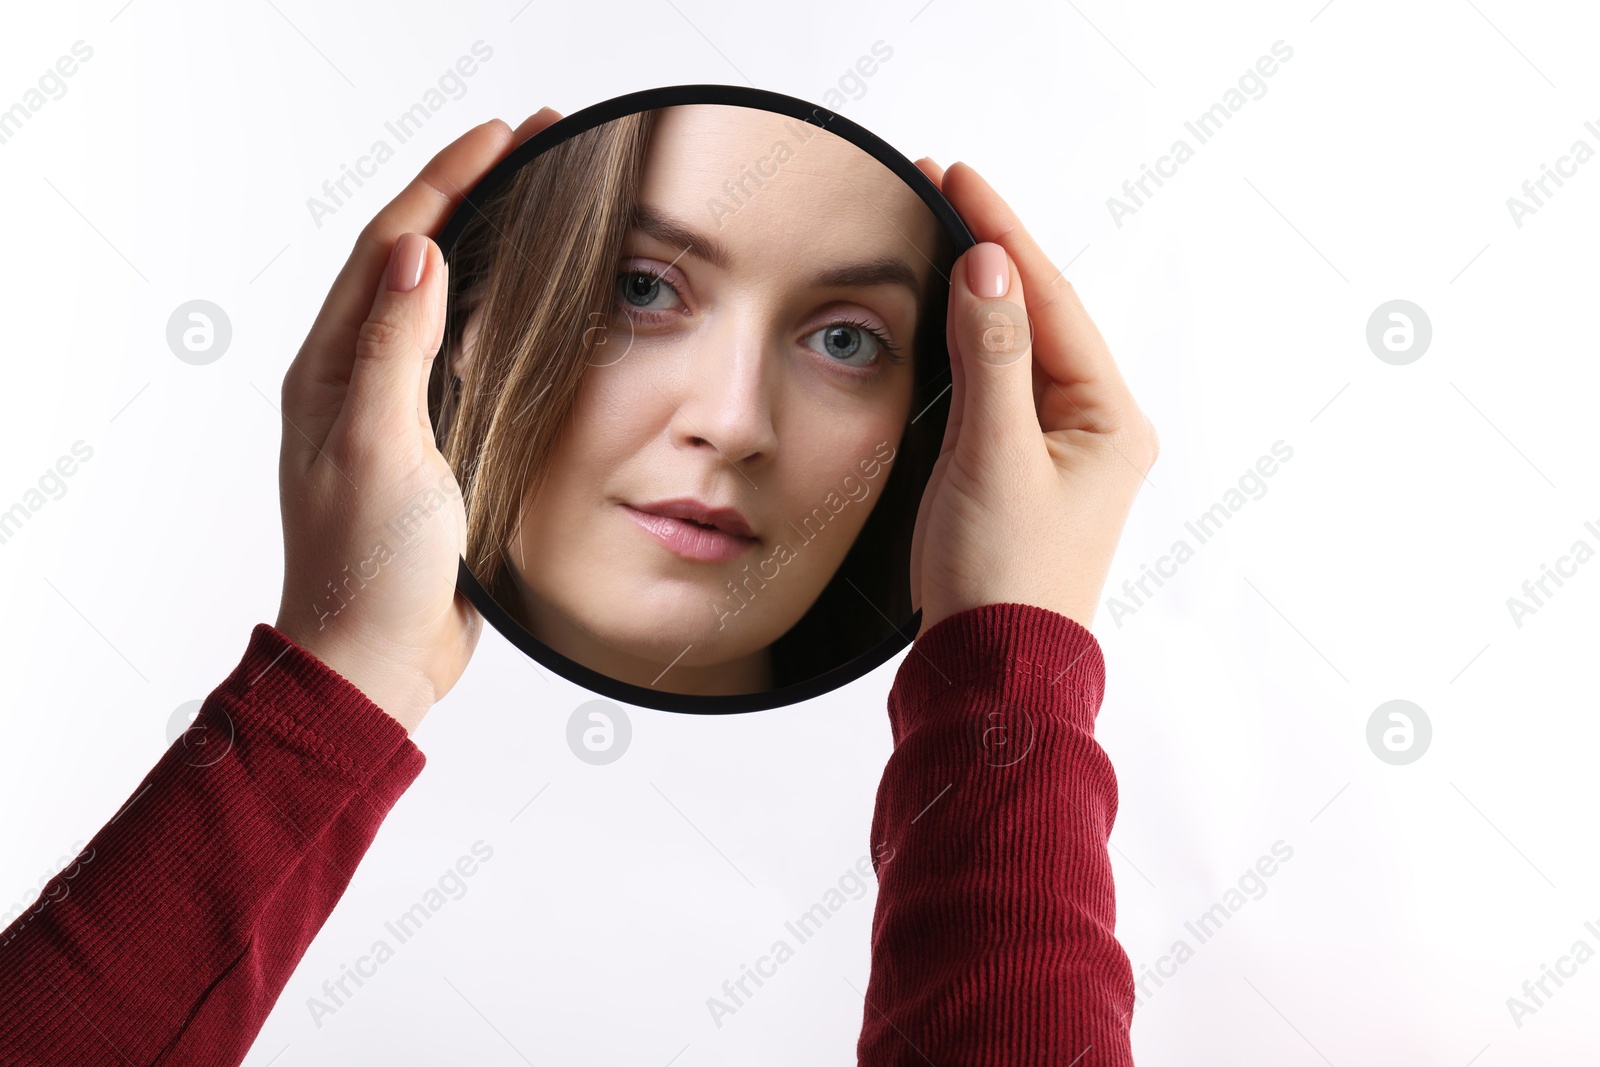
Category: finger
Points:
column 991, row 390
column 431, row 348
column 934, row 172
column 534, row 123
column 393, row 345
column 313, row 389
column 1068, row 347
column 990, row 333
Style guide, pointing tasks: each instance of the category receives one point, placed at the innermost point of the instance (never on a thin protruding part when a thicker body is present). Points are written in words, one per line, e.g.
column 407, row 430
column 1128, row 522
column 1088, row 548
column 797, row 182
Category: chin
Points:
column 666, row 638
column 663, row 637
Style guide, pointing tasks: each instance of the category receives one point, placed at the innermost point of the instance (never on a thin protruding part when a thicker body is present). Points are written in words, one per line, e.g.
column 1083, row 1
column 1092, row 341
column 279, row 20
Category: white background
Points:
column 1377, row 565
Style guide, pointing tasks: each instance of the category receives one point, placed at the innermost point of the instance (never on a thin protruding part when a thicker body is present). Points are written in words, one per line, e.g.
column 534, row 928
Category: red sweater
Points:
column 169, row 938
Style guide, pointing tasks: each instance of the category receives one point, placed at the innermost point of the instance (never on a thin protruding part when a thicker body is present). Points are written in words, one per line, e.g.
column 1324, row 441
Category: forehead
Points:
column 778, row 188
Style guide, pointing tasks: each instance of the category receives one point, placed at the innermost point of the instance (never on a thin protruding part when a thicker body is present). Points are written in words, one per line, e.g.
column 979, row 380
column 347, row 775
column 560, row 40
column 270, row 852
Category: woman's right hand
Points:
column 1045, row 448
column 373, row 523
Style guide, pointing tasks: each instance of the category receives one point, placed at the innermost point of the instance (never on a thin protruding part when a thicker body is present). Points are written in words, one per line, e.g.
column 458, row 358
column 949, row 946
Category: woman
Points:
column 635, row 344
column 170, row 938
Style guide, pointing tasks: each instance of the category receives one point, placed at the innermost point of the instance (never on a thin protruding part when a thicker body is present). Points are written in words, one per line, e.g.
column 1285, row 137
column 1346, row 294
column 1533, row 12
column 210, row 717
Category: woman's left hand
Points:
column 1045, row 448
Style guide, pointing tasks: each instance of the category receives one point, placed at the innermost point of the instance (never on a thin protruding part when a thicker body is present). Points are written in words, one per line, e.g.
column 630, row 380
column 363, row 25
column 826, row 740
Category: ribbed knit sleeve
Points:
column 992, row 939
column 169, row 938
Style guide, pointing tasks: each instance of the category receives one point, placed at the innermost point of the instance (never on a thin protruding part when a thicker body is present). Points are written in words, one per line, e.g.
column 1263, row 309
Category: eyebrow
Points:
column 884, row 270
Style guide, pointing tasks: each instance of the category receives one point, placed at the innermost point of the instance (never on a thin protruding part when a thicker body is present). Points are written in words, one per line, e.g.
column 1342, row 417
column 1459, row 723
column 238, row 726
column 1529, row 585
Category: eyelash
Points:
column 891, row 351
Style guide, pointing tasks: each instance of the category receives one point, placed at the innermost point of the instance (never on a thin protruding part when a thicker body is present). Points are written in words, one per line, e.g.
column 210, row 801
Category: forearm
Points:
column 200, row 895
column 993, row 936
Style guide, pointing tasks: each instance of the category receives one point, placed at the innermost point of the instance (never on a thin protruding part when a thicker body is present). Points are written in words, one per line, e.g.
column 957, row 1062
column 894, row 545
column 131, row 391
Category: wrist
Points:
column 1078, row 604
column 400, row 691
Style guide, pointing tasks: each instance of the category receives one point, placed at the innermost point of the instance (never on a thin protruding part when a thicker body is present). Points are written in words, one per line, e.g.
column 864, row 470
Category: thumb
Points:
column 990, row 328
column 396, row 344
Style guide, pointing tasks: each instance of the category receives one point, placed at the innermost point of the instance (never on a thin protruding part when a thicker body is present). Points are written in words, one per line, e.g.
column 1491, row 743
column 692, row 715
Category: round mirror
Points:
column 692, row 384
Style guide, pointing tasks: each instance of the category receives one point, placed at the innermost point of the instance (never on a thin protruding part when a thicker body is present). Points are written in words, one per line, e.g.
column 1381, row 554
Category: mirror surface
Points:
column 693, row 381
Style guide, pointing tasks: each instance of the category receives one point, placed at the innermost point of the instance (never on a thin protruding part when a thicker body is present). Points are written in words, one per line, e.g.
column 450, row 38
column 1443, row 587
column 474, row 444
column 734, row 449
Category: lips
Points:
column 695, row 530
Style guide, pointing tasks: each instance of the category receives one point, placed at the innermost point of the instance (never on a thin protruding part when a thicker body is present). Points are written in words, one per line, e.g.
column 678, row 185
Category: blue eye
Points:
column 854, row 344
column 639, row 290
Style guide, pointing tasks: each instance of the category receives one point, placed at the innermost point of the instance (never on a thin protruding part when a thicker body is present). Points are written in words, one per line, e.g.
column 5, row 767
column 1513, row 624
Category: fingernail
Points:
column 405, row 262
column 988, row 270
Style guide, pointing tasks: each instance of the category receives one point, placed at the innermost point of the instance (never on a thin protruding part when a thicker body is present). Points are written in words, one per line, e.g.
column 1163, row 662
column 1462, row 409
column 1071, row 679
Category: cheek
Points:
column 587, row 471
column 621, row 393
column 868, row 433
column 829, row 460
column 889, row 422
column 613, row 420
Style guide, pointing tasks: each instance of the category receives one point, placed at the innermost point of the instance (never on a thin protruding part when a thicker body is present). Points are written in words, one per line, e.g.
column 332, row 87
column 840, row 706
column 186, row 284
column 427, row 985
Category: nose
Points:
column 724, row 400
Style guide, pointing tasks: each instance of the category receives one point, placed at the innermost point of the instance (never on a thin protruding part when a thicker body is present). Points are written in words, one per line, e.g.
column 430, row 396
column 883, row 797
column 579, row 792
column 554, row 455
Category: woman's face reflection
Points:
column 759, row 366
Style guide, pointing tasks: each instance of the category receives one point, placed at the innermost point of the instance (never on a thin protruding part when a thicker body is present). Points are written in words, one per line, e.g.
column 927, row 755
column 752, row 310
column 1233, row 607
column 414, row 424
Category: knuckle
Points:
column 1057, row 291
column 365, row 240
column 296, row 395
column 374, row 234
column 377, row 337
column 376, row 240
column 1002, row 330
column 1144, row 440
column 360, row 451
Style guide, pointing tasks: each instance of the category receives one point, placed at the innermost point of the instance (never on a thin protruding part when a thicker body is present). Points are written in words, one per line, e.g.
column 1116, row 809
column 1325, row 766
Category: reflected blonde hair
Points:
column 537, row 261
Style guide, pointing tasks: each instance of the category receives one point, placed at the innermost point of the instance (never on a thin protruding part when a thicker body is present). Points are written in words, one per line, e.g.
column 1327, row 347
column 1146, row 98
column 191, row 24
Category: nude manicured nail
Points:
column 405, row 262
column 988, row 270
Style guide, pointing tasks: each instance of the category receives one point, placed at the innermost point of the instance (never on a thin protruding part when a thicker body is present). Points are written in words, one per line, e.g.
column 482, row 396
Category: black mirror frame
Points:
column 598, row 114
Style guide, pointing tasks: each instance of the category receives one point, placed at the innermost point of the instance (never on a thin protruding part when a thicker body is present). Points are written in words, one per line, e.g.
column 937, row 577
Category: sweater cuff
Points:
column 320, row 711
column 1018, row 654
